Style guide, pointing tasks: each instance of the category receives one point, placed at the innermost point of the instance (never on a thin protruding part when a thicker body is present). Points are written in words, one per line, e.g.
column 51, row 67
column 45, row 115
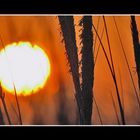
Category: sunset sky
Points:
column 55, row 102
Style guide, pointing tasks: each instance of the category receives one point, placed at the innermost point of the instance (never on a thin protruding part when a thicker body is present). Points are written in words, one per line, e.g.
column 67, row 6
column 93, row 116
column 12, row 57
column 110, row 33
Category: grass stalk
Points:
column 136, row 45
column 2, row 97
column 100, row 118
column 1, row 118
column 115, row 81
column 108, row 62
column 14, row 88
column 6, row 111
column 96, row 56
column 136, row 93
column 96, row 35
column 122, row 95
column 115, row 109
column 18, row 106
column 68, row 31
column 87, row 66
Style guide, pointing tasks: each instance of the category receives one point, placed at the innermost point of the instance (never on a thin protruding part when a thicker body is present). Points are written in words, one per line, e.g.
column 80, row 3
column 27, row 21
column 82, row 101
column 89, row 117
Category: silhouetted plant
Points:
column 17, row 102
column 98, row 111
column 87, row 65
column 18, row 107
column 1, row 118
column 2, row 97
column 115, row 108
column 98, row 48
column 68, row 30
column 84, row 92
column 136, row 44
column 112, row 73
column 123, row 50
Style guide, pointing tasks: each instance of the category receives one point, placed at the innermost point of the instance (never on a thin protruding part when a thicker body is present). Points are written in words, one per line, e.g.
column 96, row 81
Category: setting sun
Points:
column 24, row 65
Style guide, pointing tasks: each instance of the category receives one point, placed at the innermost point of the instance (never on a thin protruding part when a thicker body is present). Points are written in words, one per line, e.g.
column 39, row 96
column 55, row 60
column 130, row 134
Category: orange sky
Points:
column 45, row 31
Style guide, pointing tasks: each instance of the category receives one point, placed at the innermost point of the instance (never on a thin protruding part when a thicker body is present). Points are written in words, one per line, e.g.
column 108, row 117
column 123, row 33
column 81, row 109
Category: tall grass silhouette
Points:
column 126, row 60
column 91, row 41
column 87, row 65
column 68, row 30
column 83, row 92
column 136, row 44
column 112, row 72
column 114, row 75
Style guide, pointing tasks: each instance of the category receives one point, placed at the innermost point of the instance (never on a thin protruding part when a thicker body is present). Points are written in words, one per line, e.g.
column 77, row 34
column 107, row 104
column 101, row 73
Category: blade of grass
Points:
column 102, row 46
column 13, row 84
column 6, row 111
column 115, row 109
column 115, row 81
column 1, row 118
column 18, row 107
column 2, row 96
column 122, row 46
column 68, row 31
column 108, row 62
column 136, row 44
column 87, row 60
column 122, row 96
column 100, row 118
column 98, row 48
column 96, row 35
column 13, row 108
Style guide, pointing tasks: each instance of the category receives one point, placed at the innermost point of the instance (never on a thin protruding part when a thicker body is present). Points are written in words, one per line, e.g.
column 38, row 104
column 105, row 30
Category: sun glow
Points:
column 24, row 65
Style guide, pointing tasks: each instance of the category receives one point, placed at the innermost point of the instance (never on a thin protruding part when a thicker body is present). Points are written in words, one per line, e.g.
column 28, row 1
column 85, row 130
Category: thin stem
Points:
column 103, row 49
column 12, row 107
column 18, row 107
column 115, row 109
column 98, row 49
column 68, row 30
column 98, row 110
column 121, row 89
column 108, row 62
column 109, row 45
column 14, row 87
column 136, row 93
column 6, row 111
column 136, row 45
column 115, row 81
column 96, row 35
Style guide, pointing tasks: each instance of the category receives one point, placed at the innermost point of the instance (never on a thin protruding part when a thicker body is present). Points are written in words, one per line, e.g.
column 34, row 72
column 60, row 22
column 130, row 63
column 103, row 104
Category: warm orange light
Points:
column 24, row 65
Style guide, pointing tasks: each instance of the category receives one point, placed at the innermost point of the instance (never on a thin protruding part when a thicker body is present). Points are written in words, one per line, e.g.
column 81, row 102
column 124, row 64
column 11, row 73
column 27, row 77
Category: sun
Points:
column 25, row 66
